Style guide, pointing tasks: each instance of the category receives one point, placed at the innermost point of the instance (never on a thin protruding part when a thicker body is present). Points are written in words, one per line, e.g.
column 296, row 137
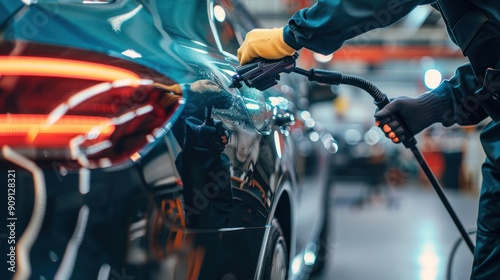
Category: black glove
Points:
column 417, row 113
column 203, row 137
column 205, row 173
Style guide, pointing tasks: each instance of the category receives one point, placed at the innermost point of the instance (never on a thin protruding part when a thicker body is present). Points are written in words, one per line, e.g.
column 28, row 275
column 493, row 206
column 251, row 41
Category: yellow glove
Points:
column 265, row 43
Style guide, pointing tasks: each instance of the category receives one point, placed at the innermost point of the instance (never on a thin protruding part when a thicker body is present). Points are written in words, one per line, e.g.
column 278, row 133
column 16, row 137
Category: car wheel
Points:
column 276, row 254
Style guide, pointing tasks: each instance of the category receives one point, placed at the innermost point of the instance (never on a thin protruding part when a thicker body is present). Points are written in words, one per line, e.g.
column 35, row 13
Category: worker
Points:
column 467, row 98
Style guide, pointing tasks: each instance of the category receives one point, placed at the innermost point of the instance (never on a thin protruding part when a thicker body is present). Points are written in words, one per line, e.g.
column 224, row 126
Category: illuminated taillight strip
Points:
column 37, row 215
column 33, row 125
column 63, row 68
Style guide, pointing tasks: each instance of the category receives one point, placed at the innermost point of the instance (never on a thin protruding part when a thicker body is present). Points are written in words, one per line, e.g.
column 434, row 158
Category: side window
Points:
column 229, row 38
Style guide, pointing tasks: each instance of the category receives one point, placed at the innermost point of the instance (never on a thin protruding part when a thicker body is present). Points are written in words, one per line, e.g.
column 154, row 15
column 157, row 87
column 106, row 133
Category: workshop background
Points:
column 388, row 221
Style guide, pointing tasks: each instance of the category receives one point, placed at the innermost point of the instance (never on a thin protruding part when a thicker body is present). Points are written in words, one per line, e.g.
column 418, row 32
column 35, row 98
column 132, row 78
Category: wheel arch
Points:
column 283, row 212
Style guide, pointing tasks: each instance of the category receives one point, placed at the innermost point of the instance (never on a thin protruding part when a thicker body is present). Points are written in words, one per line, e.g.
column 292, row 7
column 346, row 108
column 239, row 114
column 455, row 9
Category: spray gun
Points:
column 263, row 74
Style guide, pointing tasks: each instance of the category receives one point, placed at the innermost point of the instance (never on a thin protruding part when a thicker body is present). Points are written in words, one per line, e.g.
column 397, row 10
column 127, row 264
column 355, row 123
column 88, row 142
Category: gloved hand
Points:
column 265, row 43
column 209, row 136
column 417, row 113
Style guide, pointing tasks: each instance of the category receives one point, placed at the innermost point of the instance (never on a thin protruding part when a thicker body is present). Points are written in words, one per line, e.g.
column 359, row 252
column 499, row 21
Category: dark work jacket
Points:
column 325, row 26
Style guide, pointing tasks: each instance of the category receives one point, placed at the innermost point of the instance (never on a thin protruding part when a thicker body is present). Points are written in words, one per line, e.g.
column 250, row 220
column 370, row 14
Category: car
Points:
column 129, row 156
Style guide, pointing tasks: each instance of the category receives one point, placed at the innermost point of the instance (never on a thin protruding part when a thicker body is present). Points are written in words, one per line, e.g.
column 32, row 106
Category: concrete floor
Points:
column 402, row 234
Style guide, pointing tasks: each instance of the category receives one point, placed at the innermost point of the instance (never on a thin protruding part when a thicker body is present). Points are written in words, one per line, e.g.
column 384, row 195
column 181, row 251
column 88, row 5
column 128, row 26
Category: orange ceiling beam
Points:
column 374, row 54
column 377, row 54
column 57, row 67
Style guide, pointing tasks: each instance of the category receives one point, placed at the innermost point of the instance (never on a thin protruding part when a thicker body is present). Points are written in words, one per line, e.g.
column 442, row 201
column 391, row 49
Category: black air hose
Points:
column 337, row 78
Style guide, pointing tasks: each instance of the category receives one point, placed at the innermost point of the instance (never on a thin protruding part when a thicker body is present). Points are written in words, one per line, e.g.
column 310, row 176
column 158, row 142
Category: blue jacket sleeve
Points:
column 455, row 101
column 325, row 26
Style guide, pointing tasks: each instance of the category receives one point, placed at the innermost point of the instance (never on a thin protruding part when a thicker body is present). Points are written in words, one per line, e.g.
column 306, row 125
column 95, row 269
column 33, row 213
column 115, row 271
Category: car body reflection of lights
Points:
column 159, row 132
column 199, row 43
column 105, row 162
column 131, row 53
column 252, row 106
column 99, row 147
column 296, row 264
column 123, row 118
column 150, row 138
column 277, row 143
column 197, row 50
column 219, row 13
column 93, row 2
column 94, row 133
column 275, row 101
column 117, row 21
column 229, row 72
column 88, row 93
column 144, row 110
column 309, row 258
column 309, row 254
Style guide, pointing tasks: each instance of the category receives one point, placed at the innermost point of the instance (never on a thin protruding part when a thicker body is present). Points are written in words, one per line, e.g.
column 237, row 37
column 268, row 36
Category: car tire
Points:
column 276, row 254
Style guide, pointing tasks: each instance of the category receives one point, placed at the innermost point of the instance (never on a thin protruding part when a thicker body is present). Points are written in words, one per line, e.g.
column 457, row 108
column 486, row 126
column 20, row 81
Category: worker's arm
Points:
column 452, row 102
column 465, row 109
column 325, row 26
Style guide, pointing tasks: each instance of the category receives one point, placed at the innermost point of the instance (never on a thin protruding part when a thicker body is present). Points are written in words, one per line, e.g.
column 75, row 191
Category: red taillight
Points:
column 77, row 111
column 36, row 130
column 63, row 68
